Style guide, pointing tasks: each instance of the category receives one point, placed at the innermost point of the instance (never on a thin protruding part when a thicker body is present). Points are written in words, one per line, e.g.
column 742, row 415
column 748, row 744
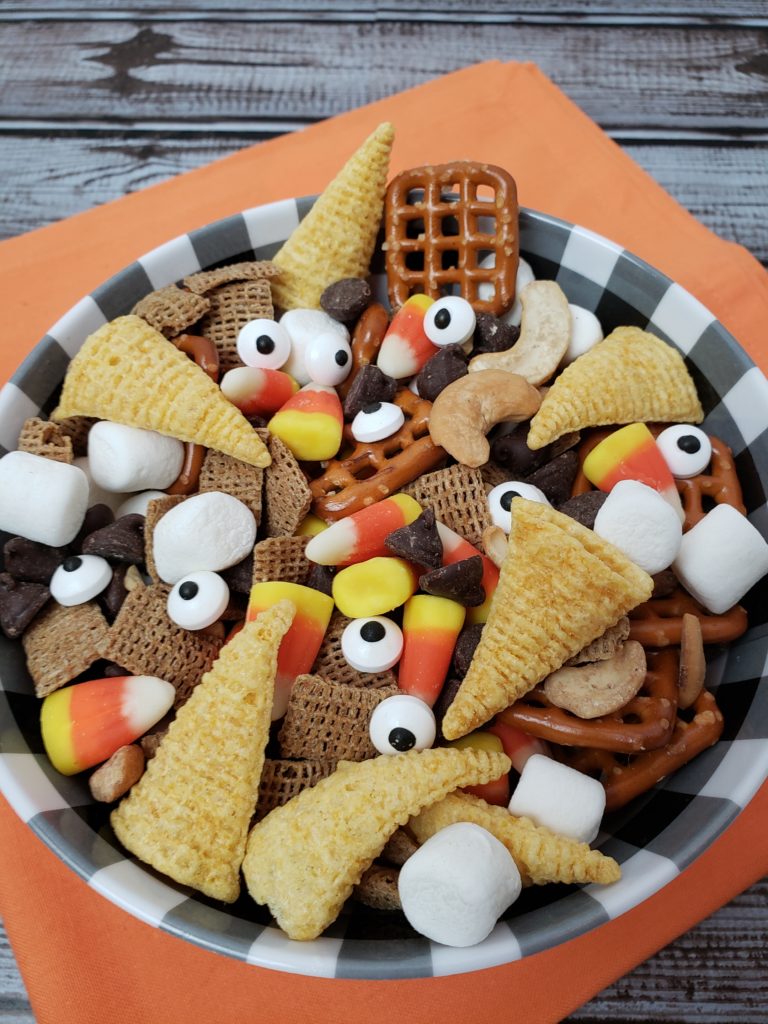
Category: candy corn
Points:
column 517, row 745
column 406, row 347
column 310, row 423
column 431, row 626
column 311, row 525
column 374, row 587
column 85, row 724
column 631, row 453
column 496, row 791
column 361, row 536
column 301, row 643
column 456, row 549
column 257, row 391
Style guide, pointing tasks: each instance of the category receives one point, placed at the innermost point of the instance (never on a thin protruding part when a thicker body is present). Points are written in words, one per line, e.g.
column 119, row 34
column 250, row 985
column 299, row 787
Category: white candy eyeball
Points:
column 687, row 450
column 372, row 645
column 264, row 343
column 198, row 600
column 79, row 578
column 328, row 359
column 402, row 723
column 500, row 501
column 376, row 421
column 449, row 321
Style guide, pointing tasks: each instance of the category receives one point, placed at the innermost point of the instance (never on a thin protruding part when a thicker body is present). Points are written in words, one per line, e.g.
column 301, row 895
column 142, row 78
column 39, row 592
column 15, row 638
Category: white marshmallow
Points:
column 457, row 884
column 642, row 524
column 586, row 331
column 41, row 499
column 721, row 558
column 212, row 531
column 524, row 277
column 137, row 504
column 97, row 495
column 127, row 459
column 302, row 325
column 559, row 798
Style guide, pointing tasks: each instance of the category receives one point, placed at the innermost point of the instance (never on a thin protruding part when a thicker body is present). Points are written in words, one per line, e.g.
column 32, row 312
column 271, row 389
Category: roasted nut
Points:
column 693, row 664
column 116, row 776
column 589, row 691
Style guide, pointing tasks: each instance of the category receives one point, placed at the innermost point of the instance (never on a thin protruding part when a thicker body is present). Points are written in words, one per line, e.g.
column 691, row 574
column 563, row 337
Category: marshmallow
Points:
column 125, row 458
column 559, row 798
column 586, row 331
column 97, row 495
column 455, row 887
column 137, row 504
column 721, row 558
column 41, row 499
column 642, row 524
column 303, row 325
column 207, row 531
column 524, row 277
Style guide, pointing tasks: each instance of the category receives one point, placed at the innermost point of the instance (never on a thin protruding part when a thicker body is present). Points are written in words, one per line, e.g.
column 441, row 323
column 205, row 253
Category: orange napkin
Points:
column 85, row 960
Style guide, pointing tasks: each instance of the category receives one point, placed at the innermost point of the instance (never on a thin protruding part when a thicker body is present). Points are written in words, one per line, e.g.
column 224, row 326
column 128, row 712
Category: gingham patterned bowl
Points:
column 653, row 839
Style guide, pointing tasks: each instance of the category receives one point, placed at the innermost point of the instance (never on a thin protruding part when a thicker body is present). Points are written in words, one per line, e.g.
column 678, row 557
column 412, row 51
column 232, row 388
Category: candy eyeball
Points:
column 377, row 420
column 686, row 449
column 500, row 501
column 449, row 321
column 79, row 578
column 198, row 600
column 264, row 343
column 328, row 359
column 402, row 723
column 373, row 644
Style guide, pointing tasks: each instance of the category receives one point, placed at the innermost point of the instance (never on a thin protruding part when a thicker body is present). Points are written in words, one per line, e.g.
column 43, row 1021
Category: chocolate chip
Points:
column 444, row 367
column 369, row 386
column 511, row 452
column 556, row 478
column 30, row 561
column 443, row 702
column 111, row 599
column 321, row 578
column 664, row 583
column 418, row 542
column 96, row 518
column 114, row 671
column 465, row 648
column 239, row 578
column 493, row 335
column 345, row 300
column 19, row 603
column 122, row 540
column 584, row 507
column 459, row 582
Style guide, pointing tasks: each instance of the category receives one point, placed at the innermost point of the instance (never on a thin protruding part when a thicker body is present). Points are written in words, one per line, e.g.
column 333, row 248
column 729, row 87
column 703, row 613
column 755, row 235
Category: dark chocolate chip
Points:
column 465, row 648
column 30, row 561
column 418, row 542
column 321, row 578
column 19, row 603
column 112, row 671
column 239, row 578
column 446, row 366
column 122, row 540
column 96, row 518
column 511, row 452
column 369, row 386
column 111, row 599
column 493, row 335
column 459, row 581
column 443, row 702
column 556, row 478
column 584, row 507
column 664, row 583
column 345, row 300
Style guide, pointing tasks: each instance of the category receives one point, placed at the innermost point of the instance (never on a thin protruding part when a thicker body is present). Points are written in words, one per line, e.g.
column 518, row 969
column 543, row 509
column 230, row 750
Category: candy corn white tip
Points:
column 145, row 700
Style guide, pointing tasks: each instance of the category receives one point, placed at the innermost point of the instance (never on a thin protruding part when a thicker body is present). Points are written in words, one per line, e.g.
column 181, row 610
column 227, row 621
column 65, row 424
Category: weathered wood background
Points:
column 102, row 99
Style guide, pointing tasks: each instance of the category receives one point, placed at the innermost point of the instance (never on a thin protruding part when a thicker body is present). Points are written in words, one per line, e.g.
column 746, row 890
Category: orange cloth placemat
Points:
column 85, row 960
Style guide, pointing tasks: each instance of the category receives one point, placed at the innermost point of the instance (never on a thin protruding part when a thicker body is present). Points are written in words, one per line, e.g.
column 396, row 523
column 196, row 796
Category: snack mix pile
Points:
column 390, row 607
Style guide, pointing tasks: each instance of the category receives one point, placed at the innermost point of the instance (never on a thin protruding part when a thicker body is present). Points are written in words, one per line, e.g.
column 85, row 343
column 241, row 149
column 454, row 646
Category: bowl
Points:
column 654, row 838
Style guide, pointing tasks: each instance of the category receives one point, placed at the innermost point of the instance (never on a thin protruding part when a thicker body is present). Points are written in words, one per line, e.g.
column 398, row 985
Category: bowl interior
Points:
column 654, row 838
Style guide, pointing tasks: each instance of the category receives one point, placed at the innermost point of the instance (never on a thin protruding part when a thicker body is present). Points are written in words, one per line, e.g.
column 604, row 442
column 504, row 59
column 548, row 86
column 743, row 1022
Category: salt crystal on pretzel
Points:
column 305, row 858
column 560, row 587
column 631, row 377
column 115, row 377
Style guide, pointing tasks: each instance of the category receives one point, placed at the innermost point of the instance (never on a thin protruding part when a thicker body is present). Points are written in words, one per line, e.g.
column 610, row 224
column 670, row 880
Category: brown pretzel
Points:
column 644, row 723
column 625, row 778
column 206, row 356
column 434, row 240
column 366, row 341
column 375, row 470
column 659, row 622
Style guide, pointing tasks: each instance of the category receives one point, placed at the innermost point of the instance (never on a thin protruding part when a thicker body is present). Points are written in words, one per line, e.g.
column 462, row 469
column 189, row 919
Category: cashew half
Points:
column 693, row 663
column 602, row 687
column 545, row 332
column 464, row 412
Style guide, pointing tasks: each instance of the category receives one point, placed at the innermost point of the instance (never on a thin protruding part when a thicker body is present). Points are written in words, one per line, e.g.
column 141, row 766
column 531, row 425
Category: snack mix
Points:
column 393, row 607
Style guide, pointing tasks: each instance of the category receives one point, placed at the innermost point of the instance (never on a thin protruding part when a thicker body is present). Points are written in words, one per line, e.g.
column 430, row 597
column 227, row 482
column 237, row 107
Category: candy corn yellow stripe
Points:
column 56, row 727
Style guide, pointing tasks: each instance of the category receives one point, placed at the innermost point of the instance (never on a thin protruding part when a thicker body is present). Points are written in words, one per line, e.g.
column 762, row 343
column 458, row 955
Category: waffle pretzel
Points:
column 434, row 243
column 372, row 471
column 625, row 778
column 644, row 723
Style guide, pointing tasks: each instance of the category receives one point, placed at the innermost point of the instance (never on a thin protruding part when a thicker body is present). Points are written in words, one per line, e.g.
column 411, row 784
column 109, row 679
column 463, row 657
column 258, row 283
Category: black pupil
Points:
column 71, row 564
column 188, row 590
column 265, row 344
column 506, row 499
column 371, row 407
column 341, row 357
column 689, row 443
column 402, row 739
column 372, row 632
column 442, row 319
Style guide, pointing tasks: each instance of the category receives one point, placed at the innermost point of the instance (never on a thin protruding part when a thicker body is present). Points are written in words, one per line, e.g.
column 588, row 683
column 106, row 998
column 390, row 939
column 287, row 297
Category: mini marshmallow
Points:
column 455, row 887
column 41, row 499
column 559, row 798
column 207, row 531
column 302, row 326
column 524, row 277
column 586, row 331
column 137, row 504
column 125, row 459
column 721, row 558
column 97, row 495
column 642, row 524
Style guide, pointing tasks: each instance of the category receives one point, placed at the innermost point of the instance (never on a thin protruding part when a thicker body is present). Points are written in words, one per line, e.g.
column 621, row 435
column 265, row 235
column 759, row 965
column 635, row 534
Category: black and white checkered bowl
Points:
column 653, row 839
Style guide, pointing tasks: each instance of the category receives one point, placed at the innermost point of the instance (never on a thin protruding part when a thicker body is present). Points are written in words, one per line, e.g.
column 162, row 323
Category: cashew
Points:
column 464, row 412
column 495, row 544
column 693, row 664
column 601, row 687
column 545, row 332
